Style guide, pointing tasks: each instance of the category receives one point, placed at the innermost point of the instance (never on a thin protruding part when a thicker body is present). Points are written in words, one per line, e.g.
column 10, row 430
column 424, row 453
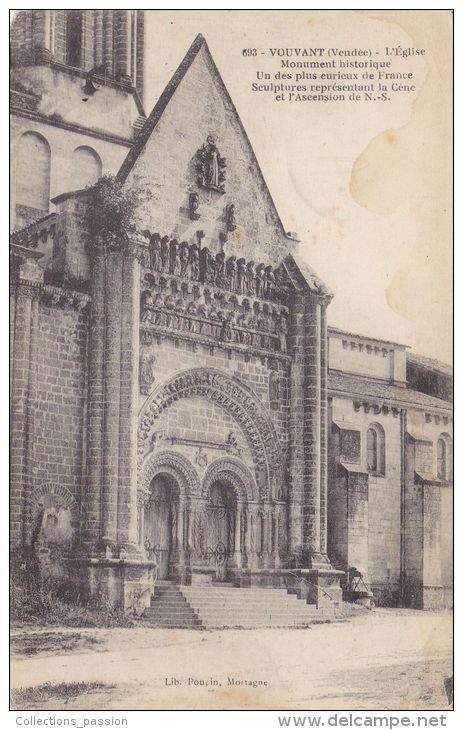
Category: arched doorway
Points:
column 221, row 526
column 161, row 522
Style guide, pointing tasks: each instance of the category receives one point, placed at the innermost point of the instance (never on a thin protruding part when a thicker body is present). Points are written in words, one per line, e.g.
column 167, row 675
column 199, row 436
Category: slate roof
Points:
column 367, row 387
column 430, row 363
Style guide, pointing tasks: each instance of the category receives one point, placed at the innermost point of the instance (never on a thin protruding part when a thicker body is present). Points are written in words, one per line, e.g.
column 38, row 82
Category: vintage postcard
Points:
column 231, row 480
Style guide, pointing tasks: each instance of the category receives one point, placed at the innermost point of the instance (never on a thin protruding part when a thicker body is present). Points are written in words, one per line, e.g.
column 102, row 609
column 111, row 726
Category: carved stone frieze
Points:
column 193, row 261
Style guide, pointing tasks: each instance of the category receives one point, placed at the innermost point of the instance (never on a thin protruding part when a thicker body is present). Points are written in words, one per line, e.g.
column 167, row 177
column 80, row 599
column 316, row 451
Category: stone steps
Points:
column 225, row 606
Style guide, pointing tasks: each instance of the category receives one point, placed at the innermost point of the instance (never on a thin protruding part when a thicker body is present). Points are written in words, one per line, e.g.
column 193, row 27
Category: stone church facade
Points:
column 179, row 404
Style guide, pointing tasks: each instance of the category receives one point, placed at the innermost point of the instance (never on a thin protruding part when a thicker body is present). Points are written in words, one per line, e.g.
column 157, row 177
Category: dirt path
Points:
column 386, row 659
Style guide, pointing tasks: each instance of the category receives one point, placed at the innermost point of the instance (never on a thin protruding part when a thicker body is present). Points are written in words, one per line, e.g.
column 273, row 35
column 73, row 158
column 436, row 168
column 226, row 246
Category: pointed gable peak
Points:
column 161, row 105
column 151, row 122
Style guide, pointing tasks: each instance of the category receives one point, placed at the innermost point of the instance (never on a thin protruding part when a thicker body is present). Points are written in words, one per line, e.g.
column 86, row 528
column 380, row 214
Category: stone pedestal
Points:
column 124, row 584
column 321, row 587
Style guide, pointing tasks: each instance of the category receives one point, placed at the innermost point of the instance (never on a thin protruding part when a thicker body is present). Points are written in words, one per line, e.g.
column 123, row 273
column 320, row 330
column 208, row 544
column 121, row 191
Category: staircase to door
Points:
column 225, row 606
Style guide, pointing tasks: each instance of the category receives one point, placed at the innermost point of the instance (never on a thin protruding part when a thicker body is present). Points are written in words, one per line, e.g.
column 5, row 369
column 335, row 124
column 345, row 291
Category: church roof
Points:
column 162, row 103
column 367, row 387
column 429, row 363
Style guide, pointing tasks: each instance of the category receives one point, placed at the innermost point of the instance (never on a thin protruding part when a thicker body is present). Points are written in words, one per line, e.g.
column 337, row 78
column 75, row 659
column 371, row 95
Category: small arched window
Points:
column 444, row 457
column 441, row 459
column 376, row 449
column 86, row 167
column 32, row 170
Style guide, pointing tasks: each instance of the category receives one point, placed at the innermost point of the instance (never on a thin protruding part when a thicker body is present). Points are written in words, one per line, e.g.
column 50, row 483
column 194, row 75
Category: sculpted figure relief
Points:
column 146, row 375
column 211, row 166
column 198, row 263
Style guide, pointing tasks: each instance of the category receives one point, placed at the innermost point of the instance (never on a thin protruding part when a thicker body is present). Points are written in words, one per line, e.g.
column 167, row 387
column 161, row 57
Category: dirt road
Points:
column 382, row 659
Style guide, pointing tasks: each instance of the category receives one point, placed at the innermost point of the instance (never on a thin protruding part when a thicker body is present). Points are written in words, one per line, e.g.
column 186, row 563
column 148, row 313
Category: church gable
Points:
column 197, row 161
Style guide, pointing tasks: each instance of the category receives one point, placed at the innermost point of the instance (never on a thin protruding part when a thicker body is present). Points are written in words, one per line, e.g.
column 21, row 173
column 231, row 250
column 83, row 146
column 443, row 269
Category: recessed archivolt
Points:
column 176, row 466
column 237, row 400
column 234, row 473
column 59, row 495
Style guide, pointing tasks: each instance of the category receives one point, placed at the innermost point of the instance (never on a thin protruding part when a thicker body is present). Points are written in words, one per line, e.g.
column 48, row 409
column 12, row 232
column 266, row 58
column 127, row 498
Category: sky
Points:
column 366, row 186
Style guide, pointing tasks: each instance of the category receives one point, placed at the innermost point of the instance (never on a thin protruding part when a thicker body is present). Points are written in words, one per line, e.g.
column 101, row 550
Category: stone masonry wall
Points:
column 48, row 409
column 384, row 495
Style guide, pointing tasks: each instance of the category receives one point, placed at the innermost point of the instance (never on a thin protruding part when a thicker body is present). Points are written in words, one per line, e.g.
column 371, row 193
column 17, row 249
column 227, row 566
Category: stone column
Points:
column 180, row 532
column 296, row 346
column 98, row 37
column 91, row 514
column 140, row 52
column 128, row 410
column 323, row 429
column 237, row 556
column 121, row 42
column 312, row 403
column 276, row 536
column 19, row 407
column 247, row 536
column 267, row 535
column 112, row 383
column 108, row 41
column 41, row 29
column 31, row 410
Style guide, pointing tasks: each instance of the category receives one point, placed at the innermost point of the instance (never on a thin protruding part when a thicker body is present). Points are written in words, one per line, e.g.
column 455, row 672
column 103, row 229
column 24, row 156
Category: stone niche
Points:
column 54, row 522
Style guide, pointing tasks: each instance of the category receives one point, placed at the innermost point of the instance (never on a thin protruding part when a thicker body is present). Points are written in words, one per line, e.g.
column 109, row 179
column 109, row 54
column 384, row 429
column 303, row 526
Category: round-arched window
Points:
column 86, row 167
column 376, row 449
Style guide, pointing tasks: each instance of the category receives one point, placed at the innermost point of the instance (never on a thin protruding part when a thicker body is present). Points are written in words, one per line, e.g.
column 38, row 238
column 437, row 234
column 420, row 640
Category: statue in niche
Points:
column 220, row 269
column 202, row 309
column 164, row 246
column 169, row 305
column 159, row 317
column 193, row 202
column 273, row 386
column 211, row 166
column 147, row 299
column 260, row 280
column 146, row 375
column 184, row 258
column 174, row 258
column 269, row 283
column 241, row 275
column 226, row 331
column 155, row 252
column 192, row 311
column 250, row 282
column 281, row 329
column 232, row 271
column 180, row 309
column 206, row 266
column 230, row 217
column 194, row 261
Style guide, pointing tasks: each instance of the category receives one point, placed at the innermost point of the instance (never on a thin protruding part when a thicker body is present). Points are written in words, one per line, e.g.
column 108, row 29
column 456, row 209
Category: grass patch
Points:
column 52, row 642
column 27, row 698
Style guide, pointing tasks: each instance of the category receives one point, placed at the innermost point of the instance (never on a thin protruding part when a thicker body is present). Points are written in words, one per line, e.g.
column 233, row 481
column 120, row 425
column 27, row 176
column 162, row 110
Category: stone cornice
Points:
column 53, row 295
column 70, row 127
column 29, row 236
column 373, row 403
column 150, row 333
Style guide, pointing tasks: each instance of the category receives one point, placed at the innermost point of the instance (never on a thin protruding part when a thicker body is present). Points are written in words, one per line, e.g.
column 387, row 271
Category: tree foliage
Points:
column 111, row 210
